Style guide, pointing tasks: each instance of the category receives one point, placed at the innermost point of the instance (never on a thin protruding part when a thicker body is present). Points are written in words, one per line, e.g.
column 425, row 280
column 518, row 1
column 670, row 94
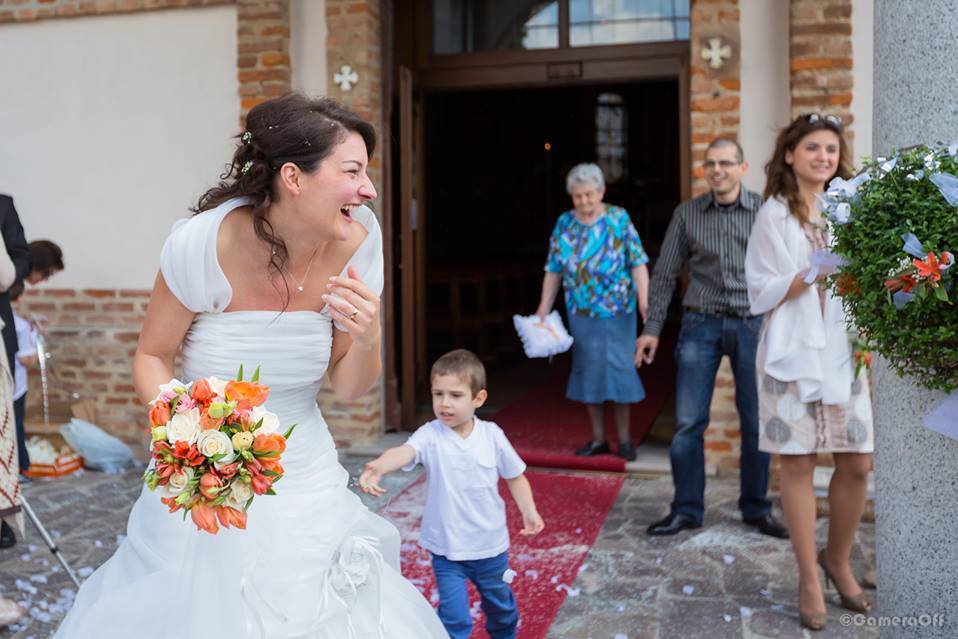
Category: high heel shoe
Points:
column 814, row 621
column 855, row 603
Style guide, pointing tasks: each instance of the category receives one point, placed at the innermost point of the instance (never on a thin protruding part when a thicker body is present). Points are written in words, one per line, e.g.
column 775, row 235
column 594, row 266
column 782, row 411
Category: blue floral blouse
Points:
column 596, row 261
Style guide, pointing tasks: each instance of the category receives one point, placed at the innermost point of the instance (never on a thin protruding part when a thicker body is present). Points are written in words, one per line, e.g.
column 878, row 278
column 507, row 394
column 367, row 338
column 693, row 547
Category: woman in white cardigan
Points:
column 809, row 399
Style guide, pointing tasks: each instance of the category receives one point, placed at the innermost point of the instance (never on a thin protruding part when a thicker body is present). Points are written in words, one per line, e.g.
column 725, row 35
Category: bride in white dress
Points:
column 248, row 281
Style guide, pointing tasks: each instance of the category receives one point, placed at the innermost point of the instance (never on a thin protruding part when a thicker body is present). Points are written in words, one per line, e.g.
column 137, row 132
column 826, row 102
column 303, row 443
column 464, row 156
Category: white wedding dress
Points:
column 313, row 563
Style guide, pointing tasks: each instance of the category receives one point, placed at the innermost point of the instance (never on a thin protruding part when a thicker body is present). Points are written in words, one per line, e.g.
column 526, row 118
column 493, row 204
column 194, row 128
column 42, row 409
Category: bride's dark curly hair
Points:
column 293, row 128
column 780, row 177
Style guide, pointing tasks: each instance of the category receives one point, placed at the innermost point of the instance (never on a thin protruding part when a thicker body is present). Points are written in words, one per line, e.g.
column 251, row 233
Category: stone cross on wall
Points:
column 716, row 53
column 346, row 77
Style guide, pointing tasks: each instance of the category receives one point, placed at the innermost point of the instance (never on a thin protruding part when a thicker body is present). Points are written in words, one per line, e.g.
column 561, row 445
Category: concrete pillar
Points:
column 916, row 45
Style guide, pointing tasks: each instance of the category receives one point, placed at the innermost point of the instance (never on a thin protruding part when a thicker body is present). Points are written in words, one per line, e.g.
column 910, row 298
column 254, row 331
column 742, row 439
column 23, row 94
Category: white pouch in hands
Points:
column 542, row 338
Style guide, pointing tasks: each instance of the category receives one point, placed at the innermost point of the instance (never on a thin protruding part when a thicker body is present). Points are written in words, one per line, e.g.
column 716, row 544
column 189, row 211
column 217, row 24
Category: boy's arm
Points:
column 532, row 523
column 392, row 460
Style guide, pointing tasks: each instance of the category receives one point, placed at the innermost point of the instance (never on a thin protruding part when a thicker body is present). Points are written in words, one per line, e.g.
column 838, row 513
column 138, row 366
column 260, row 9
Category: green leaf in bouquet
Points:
column 289, row 431
column 941, row 293
column 249, row 502
column 183, row 498
column 239, row 375
column 255, row 375
column 270, row 491
column 267, row 455
column 217, row 457
column 257, row 425
column 271, row 473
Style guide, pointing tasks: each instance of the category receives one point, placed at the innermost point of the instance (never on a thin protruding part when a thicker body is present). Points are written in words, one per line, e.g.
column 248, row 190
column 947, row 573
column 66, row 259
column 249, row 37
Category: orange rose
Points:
column 231, row 517
column 272, row 463
column 210, row 423
column 201, row 391
column 205, row 518
column 160, row 413
column 268, row 443
column 210, row 485
column 246, row 394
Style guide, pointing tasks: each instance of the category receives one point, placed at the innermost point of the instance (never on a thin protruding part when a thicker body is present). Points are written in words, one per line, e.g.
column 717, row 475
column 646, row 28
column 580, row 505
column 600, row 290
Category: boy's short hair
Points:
column 46, row 256
column 463, row 364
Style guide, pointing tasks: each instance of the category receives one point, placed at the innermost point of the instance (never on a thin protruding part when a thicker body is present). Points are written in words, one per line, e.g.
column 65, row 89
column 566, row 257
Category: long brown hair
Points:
column 780, row 177
column 292, row 128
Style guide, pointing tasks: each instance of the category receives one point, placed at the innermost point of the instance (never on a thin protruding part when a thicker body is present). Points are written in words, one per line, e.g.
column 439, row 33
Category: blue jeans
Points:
column 498, row 603
column 703, row 340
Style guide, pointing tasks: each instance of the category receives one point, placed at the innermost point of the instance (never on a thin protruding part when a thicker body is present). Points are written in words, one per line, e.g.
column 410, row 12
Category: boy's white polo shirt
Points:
column 464, row 518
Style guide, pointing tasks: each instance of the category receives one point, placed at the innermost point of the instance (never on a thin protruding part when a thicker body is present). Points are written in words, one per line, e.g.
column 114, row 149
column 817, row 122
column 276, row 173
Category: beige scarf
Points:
column 9, row 464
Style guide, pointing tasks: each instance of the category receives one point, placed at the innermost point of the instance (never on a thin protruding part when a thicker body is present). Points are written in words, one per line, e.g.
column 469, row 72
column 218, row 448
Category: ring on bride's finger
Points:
column 353, row 315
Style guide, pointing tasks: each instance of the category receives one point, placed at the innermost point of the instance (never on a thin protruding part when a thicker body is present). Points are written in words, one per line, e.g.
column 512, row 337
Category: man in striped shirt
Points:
column 710, row 233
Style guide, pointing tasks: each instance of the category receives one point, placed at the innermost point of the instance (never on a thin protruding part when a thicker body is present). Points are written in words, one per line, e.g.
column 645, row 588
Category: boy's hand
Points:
column 369, row 480
column 532, row 524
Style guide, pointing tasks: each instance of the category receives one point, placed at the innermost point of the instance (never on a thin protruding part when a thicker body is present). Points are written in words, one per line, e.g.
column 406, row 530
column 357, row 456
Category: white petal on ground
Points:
column 687, row 589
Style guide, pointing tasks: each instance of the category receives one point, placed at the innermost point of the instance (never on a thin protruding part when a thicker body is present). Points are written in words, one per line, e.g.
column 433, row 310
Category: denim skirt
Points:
column 603, row 360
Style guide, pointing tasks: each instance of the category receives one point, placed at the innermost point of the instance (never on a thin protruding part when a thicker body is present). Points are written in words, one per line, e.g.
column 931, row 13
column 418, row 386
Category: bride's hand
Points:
column 369, row 481
column 355, row 306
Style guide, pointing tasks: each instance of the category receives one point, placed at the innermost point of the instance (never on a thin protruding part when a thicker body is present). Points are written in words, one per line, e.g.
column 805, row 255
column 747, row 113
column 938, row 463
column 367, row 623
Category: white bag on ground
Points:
column 542, row 338
column 100, row 450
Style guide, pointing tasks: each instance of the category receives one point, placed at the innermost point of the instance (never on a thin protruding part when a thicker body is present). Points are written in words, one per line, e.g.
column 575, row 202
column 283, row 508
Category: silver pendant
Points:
column 300, row 288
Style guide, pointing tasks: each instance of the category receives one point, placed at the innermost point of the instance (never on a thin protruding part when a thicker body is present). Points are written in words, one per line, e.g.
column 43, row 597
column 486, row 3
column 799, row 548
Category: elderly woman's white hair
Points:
column 584, row 174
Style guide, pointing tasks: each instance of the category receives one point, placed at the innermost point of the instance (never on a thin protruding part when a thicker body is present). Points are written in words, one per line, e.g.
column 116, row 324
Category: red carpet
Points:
column 545, row 428
column 574, row 508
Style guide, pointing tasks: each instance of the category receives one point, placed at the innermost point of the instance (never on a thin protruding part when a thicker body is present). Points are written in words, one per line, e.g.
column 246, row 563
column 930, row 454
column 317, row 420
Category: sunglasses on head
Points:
column 833, row 120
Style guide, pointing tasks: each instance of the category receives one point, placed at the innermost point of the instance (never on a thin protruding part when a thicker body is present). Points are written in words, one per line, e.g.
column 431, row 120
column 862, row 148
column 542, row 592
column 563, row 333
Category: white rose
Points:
column 270, row 421
column 217, row 385
column 184, row 427
column 215, row 442
column 178, row 481
column 239, row 494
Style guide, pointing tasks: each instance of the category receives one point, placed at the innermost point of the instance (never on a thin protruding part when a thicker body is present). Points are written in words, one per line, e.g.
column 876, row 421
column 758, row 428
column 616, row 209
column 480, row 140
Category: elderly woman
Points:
column 596, row 254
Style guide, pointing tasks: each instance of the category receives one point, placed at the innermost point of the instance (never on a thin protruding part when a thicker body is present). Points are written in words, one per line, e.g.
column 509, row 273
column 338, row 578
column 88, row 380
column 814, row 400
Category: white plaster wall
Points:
column 863, row 74
column 112, row 126
column 765, row 101
column 308, row 46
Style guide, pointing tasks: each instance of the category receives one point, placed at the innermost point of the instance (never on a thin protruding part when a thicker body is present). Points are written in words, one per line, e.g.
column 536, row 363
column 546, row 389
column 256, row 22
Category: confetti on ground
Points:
column 658, row 561
column 727, row 618
column 745, row 611
column 509, row 576
column 729, row 559
column 688, row 589
column 765, row 593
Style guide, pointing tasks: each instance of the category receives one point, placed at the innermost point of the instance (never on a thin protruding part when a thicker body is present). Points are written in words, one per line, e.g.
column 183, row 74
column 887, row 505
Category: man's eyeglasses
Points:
column 833, row 120
column 723, row 164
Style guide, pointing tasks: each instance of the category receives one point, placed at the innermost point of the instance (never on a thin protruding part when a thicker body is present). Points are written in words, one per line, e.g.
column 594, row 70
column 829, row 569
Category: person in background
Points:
column 46, row 261
column 710, row 233
column 16, row 247
column 596, row 255
column 810, row 400
column 464, row 523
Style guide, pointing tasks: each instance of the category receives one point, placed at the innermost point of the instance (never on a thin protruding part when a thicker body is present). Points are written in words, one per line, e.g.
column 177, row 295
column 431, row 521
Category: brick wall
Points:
column 354, row 38
column 92, row 333
column 820, row 52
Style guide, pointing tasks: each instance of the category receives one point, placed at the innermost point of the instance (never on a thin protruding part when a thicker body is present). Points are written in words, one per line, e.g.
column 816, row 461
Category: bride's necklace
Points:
column 301, row 285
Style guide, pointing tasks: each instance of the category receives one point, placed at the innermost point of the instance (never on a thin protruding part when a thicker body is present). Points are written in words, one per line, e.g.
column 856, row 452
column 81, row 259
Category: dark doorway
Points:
column 495, row 163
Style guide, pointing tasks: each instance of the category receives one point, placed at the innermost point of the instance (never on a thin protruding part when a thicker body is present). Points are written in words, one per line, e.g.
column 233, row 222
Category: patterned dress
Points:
column 788, row 426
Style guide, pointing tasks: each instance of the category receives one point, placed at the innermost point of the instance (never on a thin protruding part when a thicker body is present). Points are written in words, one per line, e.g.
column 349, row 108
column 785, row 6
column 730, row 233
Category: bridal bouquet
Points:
column 214, row 448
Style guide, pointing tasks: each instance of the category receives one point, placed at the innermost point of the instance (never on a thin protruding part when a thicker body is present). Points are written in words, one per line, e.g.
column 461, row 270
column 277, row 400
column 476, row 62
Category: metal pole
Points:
column 48, row 539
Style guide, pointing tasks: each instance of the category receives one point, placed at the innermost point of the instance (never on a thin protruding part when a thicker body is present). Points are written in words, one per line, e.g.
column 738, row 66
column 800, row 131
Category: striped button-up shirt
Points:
column 712, row 238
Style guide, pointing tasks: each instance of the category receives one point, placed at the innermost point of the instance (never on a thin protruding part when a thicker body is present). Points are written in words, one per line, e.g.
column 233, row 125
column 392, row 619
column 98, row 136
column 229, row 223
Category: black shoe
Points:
column 768, row 525
column 592, row 448
column 627, row 452
column 7, row 538
column 672, row 524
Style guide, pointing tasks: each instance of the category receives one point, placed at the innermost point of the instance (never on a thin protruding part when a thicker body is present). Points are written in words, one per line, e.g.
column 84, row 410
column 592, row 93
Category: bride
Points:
column 281, row 267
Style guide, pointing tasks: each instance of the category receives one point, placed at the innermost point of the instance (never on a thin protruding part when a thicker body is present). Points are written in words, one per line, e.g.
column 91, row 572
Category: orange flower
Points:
column 201, row 391
column 929, row 268
column 189, row 453
column 171, row 503
column 231, row 517
column 246, row 394
column 846, row 284
column 266, row 444
column 226, row 472
column 159, row 413
column 205, row 518
column 272, row 463
column 259, row 482
column 210, row 423
column 210, row 485
column 903, row 282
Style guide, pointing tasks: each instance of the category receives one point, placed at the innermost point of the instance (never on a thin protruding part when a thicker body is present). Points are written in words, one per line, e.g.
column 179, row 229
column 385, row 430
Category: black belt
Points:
column 736, row 314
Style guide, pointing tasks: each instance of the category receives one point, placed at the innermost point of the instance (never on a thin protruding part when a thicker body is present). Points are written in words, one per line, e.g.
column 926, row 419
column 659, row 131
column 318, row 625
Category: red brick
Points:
column 99, row 292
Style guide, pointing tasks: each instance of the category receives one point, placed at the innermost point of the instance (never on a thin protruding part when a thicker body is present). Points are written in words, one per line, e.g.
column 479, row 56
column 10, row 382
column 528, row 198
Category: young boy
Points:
column 464, row 523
